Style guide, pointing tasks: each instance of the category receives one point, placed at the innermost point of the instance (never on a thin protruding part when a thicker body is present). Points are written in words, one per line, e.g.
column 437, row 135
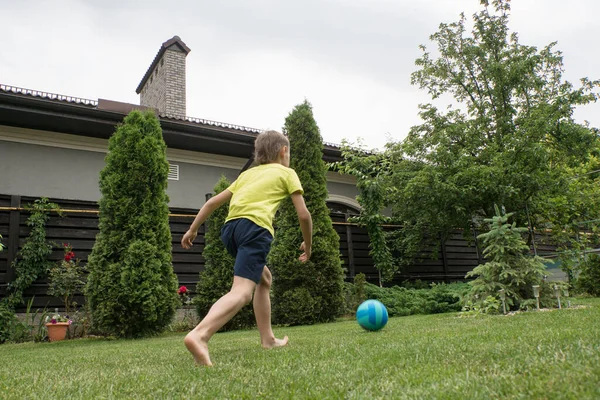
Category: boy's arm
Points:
column 211, row 205
column 305, row 225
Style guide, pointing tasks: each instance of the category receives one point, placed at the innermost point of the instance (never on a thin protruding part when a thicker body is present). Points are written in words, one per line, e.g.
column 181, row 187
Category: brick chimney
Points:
column 163, row 85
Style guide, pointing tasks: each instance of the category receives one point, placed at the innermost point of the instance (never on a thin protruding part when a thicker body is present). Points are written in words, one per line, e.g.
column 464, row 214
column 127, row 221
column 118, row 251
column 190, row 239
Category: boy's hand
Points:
column 188, row 238
column 304, row 257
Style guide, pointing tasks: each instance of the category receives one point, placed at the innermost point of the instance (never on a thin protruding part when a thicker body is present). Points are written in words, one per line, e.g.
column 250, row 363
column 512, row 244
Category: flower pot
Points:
column 57, row 331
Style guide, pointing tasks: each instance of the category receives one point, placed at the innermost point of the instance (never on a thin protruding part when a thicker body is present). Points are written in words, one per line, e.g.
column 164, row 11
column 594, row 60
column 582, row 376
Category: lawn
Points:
column 533, row 355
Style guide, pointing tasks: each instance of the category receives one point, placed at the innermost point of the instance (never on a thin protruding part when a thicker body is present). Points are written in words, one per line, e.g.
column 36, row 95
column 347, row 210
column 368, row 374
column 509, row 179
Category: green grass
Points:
column 533, row 355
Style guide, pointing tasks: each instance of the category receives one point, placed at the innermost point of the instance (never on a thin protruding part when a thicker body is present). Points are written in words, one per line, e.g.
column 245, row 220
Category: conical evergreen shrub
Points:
column 311, row 292
column 131, row 288
column 510, row 267
column 217, row 275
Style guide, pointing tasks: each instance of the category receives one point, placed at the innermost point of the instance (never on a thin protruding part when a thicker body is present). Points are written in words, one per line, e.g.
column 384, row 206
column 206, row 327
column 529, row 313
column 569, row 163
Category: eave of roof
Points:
column 48, row 111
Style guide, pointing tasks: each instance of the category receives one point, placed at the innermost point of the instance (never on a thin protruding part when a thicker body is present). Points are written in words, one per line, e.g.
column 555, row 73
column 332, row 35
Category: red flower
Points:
column 69, row 256
column 182, row 290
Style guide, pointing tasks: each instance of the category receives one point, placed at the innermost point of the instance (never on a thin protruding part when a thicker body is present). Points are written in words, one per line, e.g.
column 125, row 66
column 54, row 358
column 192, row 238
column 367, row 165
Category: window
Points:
column 173, row 172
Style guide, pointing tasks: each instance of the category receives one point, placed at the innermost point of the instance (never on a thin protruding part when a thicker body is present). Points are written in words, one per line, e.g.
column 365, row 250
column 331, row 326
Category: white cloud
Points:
column 253, row 60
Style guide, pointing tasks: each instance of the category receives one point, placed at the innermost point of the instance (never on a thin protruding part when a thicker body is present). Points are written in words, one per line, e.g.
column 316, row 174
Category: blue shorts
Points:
column 249, row 244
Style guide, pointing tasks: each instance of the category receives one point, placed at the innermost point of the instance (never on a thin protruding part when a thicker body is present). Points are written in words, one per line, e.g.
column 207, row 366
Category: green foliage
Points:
column 1, row 245
column 400, row 301
column 131, row 288
column 490, row 305
column 354, row 294
column 547, row 296
column 31, row 262
column 82, row 323
column 311, row 292
column 508, row 137
column 7, row 318
column 186, row 324
column 217, row 275
column 371, row 171
column 588, row 280
column 564, row 214
column 15, row 331
column 509, row 268
column 66, row 279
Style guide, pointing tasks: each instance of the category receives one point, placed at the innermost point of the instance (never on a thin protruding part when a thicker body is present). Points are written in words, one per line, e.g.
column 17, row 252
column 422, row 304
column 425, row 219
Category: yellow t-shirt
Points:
column 258, row 192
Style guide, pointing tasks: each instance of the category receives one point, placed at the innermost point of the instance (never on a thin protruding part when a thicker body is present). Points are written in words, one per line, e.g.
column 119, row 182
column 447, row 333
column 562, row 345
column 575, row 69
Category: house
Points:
column 54, row 145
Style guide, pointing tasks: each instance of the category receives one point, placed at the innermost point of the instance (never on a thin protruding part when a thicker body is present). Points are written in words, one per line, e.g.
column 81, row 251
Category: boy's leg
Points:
column 262, row 312
column 219, row 314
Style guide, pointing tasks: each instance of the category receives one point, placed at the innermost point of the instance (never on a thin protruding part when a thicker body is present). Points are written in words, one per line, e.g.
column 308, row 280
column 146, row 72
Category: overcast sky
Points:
column 252, row 61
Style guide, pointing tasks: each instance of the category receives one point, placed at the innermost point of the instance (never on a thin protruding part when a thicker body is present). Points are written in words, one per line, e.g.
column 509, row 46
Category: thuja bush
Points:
column 216, row 277
column 311, row 292
column 131, row 288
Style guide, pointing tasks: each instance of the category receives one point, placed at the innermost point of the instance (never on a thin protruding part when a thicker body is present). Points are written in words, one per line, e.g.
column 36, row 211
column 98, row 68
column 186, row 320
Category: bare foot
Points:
column 199, row 349
column 275, row 343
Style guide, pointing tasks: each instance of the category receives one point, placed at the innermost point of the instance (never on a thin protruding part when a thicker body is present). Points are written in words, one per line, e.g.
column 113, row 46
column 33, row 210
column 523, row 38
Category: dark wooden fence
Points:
column 79, row 228
column 447, row 263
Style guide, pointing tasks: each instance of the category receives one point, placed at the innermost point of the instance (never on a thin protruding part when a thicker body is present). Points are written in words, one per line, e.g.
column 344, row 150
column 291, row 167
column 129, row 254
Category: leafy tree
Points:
column 131, row 288
column 589, row 277
column 311, row 292
column 513, row 126
column 510, row 267
column 217, row 275
column 570, row 217
column 508, row 137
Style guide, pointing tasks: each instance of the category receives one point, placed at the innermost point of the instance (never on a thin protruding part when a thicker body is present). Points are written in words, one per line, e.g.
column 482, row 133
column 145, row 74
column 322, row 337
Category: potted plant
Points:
column 57, row 326
column 65, row 280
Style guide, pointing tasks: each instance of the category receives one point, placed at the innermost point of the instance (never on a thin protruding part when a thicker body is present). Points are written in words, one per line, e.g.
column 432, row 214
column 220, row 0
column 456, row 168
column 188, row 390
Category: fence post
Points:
column 13, row 237
column 444, row 257
column 479, row 257
column 350, row 247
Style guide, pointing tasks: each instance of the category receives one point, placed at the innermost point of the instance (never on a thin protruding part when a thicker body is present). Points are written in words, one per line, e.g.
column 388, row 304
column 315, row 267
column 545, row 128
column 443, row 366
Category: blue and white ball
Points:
column 372, row 315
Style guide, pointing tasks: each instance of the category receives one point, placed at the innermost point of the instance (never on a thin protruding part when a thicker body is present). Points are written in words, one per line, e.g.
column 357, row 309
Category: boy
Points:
column 247, row 235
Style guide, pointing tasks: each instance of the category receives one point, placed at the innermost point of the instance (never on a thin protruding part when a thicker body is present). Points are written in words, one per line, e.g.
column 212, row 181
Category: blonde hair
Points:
column 267, row 146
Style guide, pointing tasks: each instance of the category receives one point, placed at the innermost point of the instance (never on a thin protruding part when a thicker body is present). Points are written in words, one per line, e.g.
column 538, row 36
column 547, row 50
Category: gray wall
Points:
column 33, row 170
column 195, row 181
column 342, row 189
column 37, row 170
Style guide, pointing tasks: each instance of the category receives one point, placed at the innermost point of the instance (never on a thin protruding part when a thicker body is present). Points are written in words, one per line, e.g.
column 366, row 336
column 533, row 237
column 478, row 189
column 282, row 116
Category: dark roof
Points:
column 34, row 109
column 48, row 96
column 174, row 41
column 124, row 108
